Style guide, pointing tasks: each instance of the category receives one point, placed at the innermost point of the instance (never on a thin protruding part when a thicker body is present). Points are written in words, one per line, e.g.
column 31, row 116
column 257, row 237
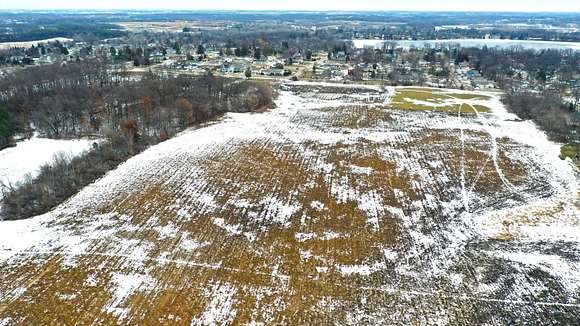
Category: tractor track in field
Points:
column 333, row 208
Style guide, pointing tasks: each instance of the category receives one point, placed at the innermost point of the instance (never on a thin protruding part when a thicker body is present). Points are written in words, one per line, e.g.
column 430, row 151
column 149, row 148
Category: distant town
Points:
column 289, row 168
column 524, row 56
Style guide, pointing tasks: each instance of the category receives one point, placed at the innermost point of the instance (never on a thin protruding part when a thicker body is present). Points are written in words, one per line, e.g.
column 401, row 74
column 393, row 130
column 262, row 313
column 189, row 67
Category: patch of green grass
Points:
column 404, row 96
column 571, row 151
column 410, row 106
column 426, row 96
column 463, row 96
column 452, row 108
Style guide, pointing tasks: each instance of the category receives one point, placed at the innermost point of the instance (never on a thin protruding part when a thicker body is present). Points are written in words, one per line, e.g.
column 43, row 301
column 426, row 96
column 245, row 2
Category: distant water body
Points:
column 478, row 43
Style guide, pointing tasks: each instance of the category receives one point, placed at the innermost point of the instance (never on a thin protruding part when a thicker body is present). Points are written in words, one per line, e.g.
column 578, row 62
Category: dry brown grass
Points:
column 351, row 117
column 278, row 276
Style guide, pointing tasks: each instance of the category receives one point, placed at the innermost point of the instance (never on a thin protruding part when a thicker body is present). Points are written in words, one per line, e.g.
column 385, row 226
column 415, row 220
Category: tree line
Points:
column 539, row 85
column 130, row 112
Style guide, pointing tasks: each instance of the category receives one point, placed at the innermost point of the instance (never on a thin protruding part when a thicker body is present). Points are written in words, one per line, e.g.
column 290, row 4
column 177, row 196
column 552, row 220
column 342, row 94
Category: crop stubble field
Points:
column 343, row 205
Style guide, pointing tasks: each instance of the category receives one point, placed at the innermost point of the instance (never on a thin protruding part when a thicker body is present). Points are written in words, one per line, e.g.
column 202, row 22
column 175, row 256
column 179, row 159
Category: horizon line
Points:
column 287, row 10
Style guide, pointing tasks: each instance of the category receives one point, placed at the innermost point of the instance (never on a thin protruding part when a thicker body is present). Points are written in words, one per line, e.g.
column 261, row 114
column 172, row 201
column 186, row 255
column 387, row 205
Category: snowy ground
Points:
column 527, row 44
column 332, row 208
column 9, row 45
column 29, row 155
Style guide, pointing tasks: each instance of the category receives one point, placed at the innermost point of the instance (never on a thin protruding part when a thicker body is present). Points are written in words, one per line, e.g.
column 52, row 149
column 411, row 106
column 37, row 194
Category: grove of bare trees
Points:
column 131, row 112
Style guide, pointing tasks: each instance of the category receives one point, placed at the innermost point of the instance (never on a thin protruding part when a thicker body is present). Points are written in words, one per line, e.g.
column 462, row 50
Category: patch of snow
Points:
column 67, row 296
column 28, row 156
column 124, row 286
column 363, row 270
column 305, row 254
column 233, row 229
column 389, row 254
column 220, row 310
column 18, row 236
column 315, row 204
column 6, row 321
column 91, row 281
column 361, row 170
column 302, row 237
column 330, row 235
column 568, row 271
column 167, row 231
column 191, row 245
column 28, row 44
column 278, row 211
column 321, row 269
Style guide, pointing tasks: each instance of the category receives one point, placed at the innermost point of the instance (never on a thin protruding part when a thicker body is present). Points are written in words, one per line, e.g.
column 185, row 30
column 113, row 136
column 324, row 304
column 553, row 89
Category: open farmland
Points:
column 173, row 26
column 10, row 45
column 343, row 205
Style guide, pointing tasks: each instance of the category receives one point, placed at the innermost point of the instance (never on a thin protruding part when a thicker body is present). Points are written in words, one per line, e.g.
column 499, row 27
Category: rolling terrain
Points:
column 345, row 204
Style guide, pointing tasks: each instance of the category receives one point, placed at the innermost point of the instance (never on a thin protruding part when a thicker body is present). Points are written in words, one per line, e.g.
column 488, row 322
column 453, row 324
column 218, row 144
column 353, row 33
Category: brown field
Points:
column 173, row 26
column 332, row 208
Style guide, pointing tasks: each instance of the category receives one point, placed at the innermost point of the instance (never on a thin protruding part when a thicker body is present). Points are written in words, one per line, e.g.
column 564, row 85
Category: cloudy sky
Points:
column 423, row 5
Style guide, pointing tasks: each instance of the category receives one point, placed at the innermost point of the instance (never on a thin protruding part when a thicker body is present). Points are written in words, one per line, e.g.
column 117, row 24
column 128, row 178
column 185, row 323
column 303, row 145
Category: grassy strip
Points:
column 469, row 96
column 425, row 96
column 420, row 107
column 402, row 96
column 570, row 150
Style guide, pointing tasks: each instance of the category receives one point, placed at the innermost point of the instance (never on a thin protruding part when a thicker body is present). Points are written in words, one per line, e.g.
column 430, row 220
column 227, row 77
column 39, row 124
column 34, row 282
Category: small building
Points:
column 473, row 73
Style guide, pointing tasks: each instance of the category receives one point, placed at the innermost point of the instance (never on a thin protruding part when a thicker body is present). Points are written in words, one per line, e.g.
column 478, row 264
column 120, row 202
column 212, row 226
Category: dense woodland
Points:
column 132, row 113
column 32, row 26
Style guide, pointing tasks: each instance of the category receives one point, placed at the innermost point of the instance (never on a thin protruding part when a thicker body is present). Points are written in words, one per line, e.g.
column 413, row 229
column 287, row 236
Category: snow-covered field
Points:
column 9, row 45
column 29, row 155
column 506, row 44
column 332, row 208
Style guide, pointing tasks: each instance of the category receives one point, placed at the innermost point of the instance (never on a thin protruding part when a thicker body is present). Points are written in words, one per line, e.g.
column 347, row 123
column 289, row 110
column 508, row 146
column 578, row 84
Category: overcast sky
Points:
column 421, row 5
